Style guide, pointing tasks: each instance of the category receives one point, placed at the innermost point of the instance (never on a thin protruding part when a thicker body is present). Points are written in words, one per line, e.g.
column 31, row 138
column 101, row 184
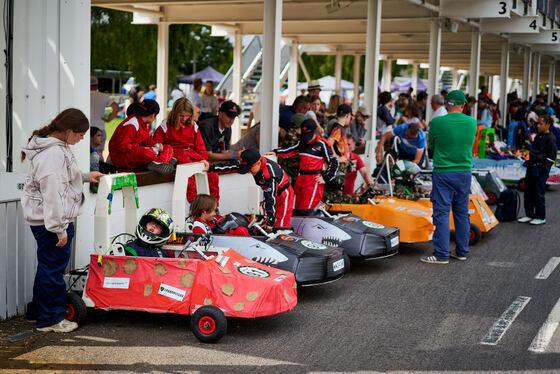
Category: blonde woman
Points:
column 181, row 133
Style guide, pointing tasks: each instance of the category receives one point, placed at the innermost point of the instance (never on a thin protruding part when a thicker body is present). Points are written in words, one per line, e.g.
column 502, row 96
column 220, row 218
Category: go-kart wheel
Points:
column 346, row 263
column 208, row 324
column 492, row 198
column 521, row 184
column 76, row 310
column 474, row 234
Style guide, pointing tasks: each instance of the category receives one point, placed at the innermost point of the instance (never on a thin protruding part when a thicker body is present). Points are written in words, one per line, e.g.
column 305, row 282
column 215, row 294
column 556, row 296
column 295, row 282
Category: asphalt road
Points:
column 391, row 315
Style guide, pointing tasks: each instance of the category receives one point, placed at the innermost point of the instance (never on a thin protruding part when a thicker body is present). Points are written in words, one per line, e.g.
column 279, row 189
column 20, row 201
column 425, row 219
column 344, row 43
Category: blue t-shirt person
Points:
column 410, row 146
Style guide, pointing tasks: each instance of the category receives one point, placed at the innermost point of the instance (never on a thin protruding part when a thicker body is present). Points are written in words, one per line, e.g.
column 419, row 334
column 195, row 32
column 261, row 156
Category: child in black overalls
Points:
column 541, row 158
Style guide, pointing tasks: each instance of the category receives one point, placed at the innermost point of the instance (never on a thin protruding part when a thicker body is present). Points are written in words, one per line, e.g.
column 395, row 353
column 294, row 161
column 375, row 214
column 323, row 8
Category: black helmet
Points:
column 162, row 218
column 230, row 222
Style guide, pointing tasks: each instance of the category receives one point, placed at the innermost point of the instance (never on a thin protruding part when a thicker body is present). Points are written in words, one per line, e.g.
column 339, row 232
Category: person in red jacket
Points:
column 131, row 146
column 314, row 151
column 272, row 179
column 181, row 132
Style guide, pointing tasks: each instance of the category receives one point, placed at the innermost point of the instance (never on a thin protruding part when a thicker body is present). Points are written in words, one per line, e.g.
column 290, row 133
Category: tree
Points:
column 117, row 44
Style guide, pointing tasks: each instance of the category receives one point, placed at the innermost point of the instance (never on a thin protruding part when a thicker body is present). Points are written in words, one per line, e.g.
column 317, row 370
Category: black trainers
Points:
column 434, row 260
column 160, row 167
column 457, row 257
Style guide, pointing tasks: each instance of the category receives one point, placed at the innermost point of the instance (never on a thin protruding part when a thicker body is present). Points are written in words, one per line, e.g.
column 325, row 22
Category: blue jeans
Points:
column 535, row 186
column 450, row 191
column 48, row 305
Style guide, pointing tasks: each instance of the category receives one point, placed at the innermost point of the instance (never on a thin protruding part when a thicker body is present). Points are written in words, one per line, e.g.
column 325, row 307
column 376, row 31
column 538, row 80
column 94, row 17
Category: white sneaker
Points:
column 538, row 221
column 524, row 219
column 62, row 326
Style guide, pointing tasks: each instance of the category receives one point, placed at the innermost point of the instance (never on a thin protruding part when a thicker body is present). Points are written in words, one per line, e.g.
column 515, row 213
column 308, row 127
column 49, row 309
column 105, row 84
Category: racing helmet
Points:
column 230, row 222
column 163, row 219
column 405, row 170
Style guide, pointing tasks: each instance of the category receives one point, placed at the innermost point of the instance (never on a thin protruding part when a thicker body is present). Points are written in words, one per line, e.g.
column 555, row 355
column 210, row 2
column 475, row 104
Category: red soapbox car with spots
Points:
column 210, row 289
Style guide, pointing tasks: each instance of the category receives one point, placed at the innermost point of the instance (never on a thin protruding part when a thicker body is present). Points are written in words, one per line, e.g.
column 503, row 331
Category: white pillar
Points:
column 371, row 73
column 414, row 78
column 338, row 71
column 303, row 68
column 355, row 103
column 504, row 72
column 387, row 74
column 237, row 91
column 536, row 74
column 162, row 68
column 455, row 83
column 475, row 68
column 526, row 73
column 433, row 71
column 551, row 77
column 293, row 73
column 272, row 32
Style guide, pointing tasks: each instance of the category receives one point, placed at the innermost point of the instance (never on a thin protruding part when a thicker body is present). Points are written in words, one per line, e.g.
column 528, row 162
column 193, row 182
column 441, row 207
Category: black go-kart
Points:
column 358, row 237
column 311, row 262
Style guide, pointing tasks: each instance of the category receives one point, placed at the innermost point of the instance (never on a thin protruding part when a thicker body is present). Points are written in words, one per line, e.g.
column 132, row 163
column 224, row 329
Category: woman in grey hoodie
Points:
column 52, row 198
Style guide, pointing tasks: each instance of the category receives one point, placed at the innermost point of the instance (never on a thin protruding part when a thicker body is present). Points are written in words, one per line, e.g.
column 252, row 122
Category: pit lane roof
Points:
column 405, row 28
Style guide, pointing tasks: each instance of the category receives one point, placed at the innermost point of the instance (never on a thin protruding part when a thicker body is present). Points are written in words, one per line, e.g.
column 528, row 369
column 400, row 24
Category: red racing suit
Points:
column 188, row 146
column 312, row 157
column 278, row 193
column 130, row 146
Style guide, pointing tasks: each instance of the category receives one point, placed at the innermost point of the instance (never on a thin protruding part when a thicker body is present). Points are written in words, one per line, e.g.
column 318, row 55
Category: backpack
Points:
column 509, row 203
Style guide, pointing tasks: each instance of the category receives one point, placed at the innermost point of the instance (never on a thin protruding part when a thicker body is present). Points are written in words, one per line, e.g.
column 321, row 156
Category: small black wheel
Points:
column 76, row 310
column 208, row 324
column 492, row 198
column 474, row 234
column 346, row 263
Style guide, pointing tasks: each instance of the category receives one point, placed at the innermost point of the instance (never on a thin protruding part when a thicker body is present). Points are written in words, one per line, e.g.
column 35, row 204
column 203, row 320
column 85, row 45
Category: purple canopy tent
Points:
column 207, row 74
column 404, row 86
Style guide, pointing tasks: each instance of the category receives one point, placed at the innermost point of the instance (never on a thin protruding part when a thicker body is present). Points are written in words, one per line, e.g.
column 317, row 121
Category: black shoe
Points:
column 160, row 167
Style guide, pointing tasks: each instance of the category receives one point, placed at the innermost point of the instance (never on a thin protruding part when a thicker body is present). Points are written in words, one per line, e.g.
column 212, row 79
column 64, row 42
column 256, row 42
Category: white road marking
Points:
column 499, row 328
column 546, row 332
column 548, row 268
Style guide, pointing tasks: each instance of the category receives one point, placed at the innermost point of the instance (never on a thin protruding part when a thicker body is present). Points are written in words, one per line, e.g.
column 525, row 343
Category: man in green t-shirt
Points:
column 451, row 137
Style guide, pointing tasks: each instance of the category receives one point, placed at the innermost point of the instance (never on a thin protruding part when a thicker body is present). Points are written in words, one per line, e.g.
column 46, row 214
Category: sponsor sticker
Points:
column 419, row 212
column 222, row 260
column 279, row 278
column 312, row 245
column 394, row 241
column 286, row 238
column 338, row 265
column 113, row 282
column 252, row 271
column 471, row 211
column 171, row 292
column 348, row 219
column 372, row 225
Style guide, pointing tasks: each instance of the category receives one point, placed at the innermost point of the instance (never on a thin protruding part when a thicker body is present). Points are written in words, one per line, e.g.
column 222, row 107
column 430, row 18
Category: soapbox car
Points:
column 491, row 183
column 414, row 217
column 512, row 171
column 210, row 288
column 358, row 237
column 311, row 262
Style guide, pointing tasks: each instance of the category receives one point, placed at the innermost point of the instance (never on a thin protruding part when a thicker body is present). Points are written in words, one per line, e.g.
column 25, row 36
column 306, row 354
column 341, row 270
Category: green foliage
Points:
column 117, row 44
column 320, row 65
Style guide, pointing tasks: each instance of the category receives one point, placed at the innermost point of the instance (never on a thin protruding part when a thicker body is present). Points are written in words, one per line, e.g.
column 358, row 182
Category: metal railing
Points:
column 18, row 260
